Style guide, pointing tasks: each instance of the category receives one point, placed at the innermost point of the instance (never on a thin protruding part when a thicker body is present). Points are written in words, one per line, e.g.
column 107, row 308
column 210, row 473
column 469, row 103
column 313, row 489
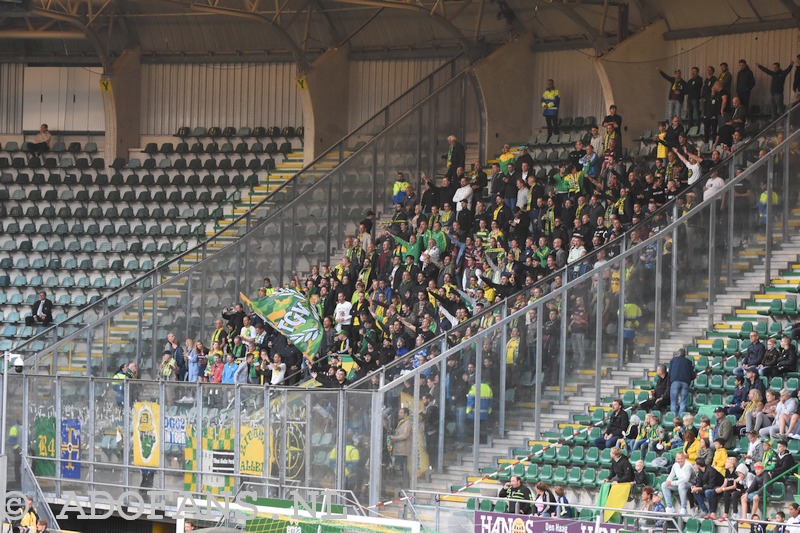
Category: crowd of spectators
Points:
column 455, row 246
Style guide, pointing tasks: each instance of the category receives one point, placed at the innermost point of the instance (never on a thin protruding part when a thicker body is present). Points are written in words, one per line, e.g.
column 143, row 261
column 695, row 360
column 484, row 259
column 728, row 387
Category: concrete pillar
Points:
column 629, row 79
column 324, row 93
column 122, row 101
column 503, row 78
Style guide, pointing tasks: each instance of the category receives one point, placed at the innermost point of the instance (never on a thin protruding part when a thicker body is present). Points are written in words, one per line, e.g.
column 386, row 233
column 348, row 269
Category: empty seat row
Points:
column 98, row 262
column 151, row 245
column 154, row 229
column 196, row 164
column 244, row 131
column 214, row 148
column 98, row 212
column 176, row 196
column 254, row 164
column 208, row 179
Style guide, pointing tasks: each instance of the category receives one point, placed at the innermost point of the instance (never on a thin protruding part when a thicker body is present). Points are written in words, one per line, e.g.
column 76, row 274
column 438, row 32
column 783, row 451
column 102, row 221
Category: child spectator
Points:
column 676, row 440
column 563, row 509
column 704, row 432
column 639, row 475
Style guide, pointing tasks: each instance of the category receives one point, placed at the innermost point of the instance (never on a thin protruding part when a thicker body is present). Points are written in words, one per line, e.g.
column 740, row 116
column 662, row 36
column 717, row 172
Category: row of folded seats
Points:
column 254, row 164
column 50, row 164
column 63, row 211
column 259, row 132
column 116, row 227
column 102, row 195
column 204, row 179
column 226, row 148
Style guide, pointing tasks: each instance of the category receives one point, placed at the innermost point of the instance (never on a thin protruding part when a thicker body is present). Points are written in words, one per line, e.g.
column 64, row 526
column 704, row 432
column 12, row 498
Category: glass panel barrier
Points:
column 281, row 195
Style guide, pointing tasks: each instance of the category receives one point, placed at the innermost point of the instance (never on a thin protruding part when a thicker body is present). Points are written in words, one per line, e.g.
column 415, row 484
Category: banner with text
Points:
column 146, row 434
column 511, row 523
column 290, row 313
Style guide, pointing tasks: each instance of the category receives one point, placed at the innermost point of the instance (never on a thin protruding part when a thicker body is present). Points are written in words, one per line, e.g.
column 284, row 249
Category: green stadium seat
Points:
column 775, row 308
column 560, row 475
column 574, row 476
column 777, row 492
column 744, row 331
column 701, row 383
column 549, row 455
column 578, row 455
column 500, row 506
column 486, row 506
column 563, row 455
column 535, row 452
column 762, row 329
column 546, row 473
column 471, row 504
column 732, row 347
column 730, row 384
column 589, row 477
column 592, row 457
column 692, row 525
column 531, row 473
column 790, row 307
column 716, row 383
column 605, row 458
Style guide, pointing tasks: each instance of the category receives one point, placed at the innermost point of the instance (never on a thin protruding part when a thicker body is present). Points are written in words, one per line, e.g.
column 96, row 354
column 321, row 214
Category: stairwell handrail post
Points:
column 763, row 490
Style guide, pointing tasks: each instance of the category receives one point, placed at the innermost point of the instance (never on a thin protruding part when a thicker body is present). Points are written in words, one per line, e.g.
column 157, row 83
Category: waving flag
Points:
column 291, row 314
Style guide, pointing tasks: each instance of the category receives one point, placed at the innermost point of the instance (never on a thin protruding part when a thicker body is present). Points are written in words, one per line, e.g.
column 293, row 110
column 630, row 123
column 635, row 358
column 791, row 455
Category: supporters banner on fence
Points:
column 510, row 523
column 290, row 313
column 146, row 434
column 423, row 460
column 70, row 448
column 614, row 496
column 251, row 450
column 45, row 446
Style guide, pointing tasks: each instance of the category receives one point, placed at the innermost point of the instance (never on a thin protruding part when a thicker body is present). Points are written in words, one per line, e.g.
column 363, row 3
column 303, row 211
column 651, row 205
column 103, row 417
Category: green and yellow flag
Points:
column 614, row 496
column 290, row 313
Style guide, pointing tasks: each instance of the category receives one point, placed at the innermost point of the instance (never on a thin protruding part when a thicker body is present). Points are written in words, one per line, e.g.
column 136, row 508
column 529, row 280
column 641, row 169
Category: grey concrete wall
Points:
column 122, row 105
column 324, row 99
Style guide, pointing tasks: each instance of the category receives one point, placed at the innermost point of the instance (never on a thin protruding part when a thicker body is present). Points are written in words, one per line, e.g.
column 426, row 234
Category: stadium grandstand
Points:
column 456, row 265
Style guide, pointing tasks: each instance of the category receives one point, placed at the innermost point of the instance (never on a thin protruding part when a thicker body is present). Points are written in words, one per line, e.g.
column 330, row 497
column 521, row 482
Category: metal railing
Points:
column 321, row 167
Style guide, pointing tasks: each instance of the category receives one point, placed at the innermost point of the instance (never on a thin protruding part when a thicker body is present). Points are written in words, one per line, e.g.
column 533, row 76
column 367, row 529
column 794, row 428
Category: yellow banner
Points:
column 251, row 451
column 146, row 434
column 407, row 400
column 617, row 498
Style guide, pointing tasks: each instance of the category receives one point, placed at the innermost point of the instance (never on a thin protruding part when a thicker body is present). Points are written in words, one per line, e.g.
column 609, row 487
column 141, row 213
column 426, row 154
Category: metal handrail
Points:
column 42, row 508
column 664, row 210
column 253, row 228
column 245, row 217
column 763, row 490
column 414, row 374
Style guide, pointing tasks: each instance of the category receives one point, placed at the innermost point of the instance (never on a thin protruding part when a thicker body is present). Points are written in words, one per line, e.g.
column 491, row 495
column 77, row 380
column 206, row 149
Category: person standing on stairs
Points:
column 681, row 375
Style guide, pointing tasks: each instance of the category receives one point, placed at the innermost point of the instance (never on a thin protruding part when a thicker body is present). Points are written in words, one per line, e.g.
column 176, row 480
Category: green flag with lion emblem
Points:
column 291, row 314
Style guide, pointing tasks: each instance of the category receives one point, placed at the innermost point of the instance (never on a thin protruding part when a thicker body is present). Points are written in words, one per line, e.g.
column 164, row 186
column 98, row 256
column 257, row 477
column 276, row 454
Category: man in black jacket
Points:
column 617, row 424
column 659, row 395
column 518, row 494
column 41, row 312
column 694, row 88
column 621, row 469
column 776, row 87
column 745, row 81
column 704, row 490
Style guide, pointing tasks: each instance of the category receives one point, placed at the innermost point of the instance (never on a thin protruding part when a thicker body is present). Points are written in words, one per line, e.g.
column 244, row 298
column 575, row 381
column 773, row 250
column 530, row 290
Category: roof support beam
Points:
column 466, row 45
column 746, row 27
column 88, row 32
